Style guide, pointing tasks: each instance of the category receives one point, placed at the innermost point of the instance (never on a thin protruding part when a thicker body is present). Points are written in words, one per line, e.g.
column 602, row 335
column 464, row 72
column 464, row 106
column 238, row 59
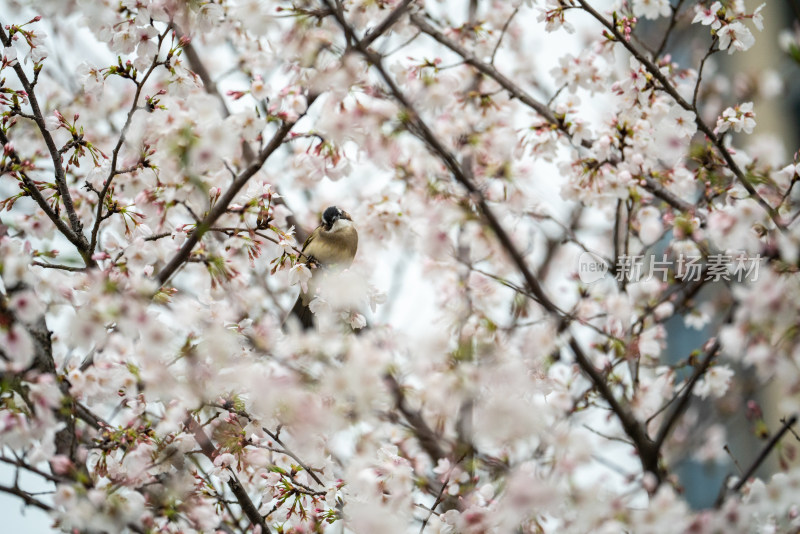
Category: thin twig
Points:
column 787, row 424
column 683, row 402
column 435, row 502
column 121, row 141
column 675, row 10
column 56, row 266
column 503, row 33
column 711, row 50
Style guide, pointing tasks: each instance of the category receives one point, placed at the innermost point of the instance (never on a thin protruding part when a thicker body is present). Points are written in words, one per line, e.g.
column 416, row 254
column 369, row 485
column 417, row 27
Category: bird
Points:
column 332, row 246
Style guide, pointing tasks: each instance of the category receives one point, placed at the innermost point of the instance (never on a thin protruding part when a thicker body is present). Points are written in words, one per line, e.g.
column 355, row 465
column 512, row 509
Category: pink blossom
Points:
column 715, row 382
column 300, row 274
column 735, row 36
column 18, row 347
column 708, row 16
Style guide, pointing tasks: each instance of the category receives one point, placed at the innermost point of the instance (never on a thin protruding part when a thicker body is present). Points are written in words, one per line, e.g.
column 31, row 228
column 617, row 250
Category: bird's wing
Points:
column 309, row 239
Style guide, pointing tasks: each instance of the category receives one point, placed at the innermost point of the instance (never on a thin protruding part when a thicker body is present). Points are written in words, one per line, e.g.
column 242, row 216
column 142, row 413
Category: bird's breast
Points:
column 335, row 247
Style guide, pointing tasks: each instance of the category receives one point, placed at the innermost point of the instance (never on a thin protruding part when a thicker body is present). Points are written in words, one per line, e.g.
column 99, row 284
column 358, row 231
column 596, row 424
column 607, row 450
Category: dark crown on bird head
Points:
column 330, row 215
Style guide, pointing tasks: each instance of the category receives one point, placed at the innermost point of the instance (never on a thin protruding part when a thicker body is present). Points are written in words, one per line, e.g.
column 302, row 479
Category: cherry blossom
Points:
column 739, row 118
column 735, row 36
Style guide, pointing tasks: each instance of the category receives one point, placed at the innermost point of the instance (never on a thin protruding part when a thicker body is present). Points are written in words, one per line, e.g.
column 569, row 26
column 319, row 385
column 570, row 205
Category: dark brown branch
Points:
column 37, row 196
column 787, row 427
column 683, row 402
column 435, row 504
column 673, row 19
column 56, row 266
column 648, row 452
column 26, row 497
column 503, row 34
column 487, row 69
column 276, row 438
column 199, row 68
column 542, row 109
column 449, row 160
column 32, row 469
column 238, row 490
column 386, row 23
column 765, row 452
column 671, row 198
column 60, row 176
column 711, row 50
column 427, row 437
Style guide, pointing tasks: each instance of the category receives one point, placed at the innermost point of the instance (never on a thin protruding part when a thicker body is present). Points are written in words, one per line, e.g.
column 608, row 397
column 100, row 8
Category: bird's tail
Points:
column 303, row 314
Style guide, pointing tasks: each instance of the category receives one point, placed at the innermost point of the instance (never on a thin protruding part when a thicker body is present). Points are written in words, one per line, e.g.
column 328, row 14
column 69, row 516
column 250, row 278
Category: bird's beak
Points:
column 346, row 215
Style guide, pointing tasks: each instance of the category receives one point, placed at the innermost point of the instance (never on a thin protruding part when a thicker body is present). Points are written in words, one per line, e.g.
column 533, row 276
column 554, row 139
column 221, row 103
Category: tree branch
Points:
column 386, row 23
column 26, row 497
column 199, row 68
column 542, row 109
column 787, row 426
column 648, row 452
column 487, row 69
column 673, row 19
column 55, row 156
column 122, row 136
column 238, row 490
column 683, row 402
column 37, row 197
column 222, row 204
column 427, row 437
column 701, row 125
column 765, row 452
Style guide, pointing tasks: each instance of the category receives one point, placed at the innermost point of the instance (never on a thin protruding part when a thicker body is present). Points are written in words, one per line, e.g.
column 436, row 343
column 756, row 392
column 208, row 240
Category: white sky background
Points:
column 413, row 309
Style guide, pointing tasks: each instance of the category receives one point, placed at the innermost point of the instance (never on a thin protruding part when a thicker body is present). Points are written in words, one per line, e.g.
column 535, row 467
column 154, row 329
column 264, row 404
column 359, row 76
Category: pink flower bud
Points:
column 61, row 464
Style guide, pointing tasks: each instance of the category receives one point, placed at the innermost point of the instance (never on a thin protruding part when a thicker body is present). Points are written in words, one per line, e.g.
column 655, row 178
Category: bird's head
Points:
column 333, row 214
